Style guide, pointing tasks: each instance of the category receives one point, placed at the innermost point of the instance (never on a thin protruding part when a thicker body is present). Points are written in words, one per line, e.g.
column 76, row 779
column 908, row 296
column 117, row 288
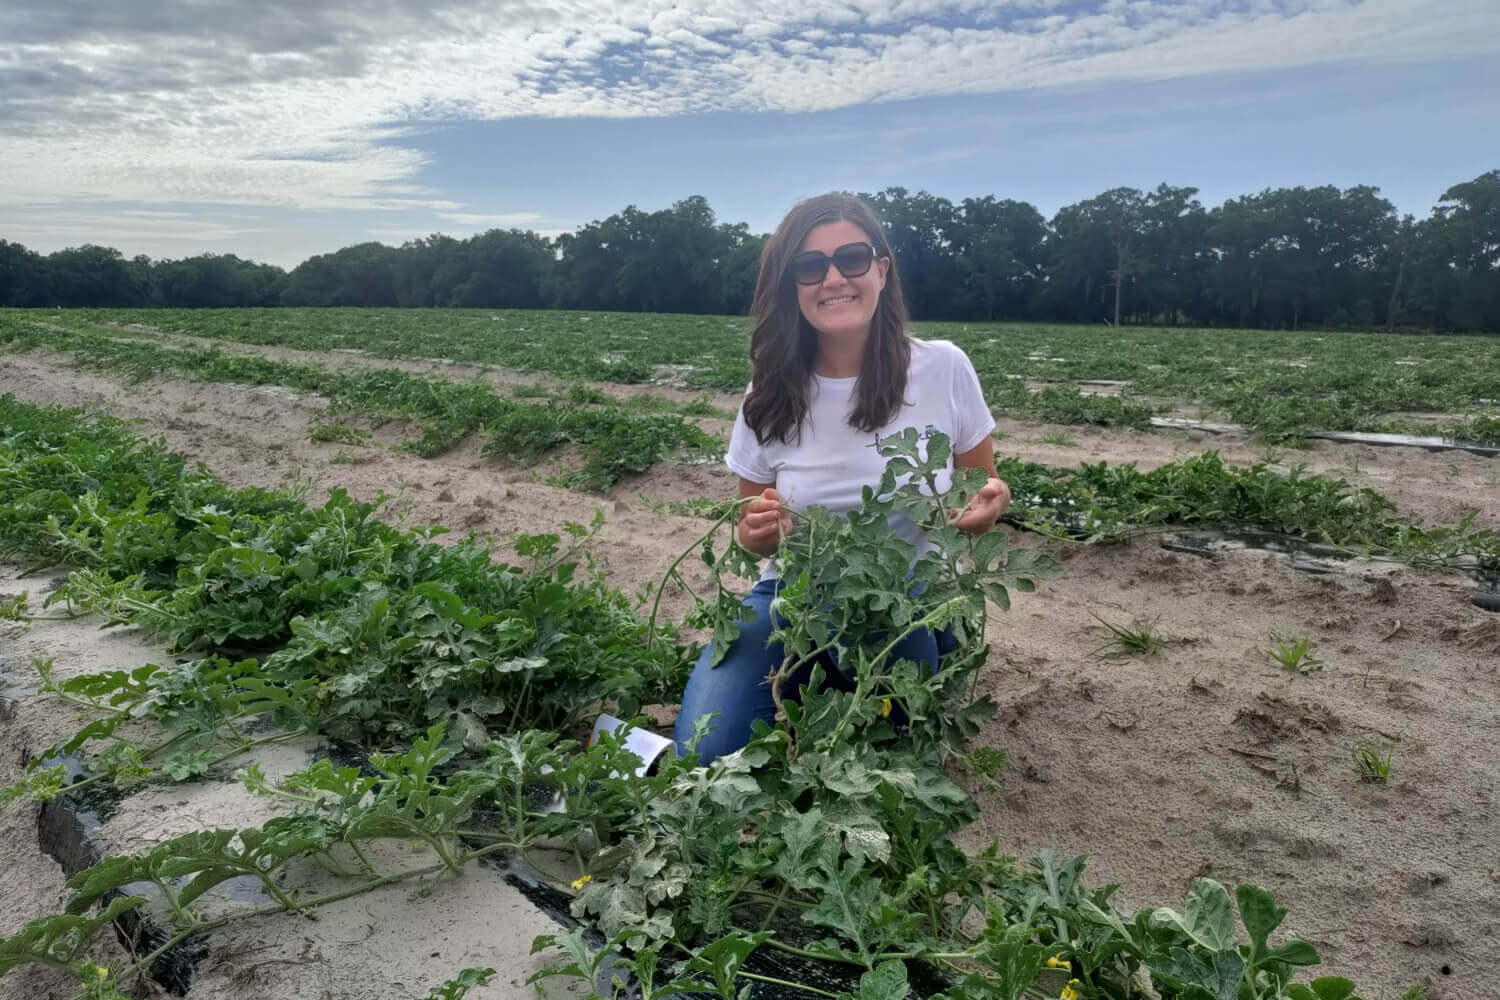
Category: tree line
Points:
column 1283, row 258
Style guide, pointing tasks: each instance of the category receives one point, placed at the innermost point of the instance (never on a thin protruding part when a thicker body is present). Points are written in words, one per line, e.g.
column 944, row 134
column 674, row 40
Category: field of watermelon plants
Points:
column 435, row 573
column 1280, row 384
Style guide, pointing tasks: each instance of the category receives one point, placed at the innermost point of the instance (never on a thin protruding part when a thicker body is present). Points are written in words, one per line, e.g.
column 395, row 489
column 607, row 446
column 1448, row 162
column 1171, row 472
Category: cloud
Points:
column 310, row 105
column 502, row 219
column 177, row 232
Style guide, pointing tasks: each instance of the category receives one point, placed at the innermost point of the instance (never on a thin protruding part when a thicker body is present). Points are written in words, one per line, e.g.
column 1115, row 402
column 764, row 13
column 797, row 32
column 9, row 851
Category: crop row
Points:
column 1104, row 503
column 1101, row 504
column 1098, row 503
column 616, row 439
column 1281, row 384
column 830, row 837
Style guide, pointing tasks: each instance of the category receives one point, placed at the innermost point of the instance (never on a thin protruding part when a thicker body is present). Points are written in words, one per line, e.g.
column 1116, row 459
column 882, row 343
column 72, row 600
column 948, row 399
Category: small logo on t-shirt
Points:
column 931, row 431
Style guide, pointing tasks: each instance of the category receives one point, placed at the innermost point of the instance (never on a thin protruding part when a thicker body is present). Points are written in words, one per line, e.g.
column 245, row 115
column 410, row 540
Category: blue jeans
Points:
column 737, row 688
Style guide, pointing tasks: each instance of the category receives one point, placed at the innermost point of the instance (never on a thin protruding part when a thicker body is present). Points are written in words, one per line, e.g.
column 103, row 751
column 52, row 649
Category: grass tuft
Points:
column 1297, row 654
column 325, row 433
column 1137, row 639
column 1373, row 757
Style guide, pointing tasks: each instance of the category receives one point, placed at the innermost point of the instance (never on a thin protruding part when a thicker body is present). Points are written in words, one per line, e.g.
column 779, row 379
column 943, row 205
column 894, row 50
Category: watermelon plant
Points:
column 831, row 837
column 1279, row 383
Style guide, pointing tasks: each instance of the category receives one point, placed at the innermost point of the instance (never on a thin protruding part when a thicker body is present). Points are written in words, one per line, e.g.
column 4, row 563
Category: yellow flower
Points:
column 885, row 708
column 582, row 880
column 1068, row 992
column 103, row 972
column 1057, row 962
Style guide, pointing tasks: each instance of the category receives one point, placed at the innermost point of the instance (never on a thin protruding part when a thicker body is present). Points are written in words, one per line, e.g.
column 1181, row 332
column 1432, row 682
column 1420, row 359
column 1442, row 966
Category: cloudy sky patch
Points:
column 289, row 127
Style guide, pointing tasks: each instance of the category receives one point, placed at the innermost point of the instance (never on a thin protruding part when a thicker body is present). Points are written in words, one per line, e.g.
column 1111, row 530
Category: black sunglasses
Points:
column 811, row 266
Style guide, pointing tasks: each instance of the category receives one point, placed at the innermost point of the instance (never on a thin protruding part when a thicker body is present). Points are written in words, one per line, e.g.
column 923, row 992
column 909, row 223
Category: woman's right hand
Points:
column 762, row 523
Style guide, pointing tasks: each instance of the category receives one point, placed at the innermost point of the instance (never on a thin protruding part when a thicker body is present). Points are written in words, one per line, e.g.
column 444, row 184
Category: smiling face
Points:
column 837, row 306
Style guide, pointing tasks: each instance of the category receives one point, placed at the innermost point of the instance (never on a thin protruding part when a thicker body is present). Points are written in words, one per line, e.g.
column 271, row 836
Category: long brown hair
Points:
column 783, row 344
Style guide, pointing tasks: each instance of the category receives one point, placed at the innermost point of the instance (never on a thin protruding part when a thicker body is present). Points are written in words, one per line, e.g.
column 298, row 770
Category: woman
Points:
column 832, row 370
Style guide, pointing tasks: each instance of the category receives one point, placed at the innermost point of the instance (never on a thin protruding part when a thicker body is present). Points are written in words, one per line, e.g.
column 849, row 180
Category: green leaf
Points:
column 459, row 986
column 1218, row 973
column 1293, row 952
column 109, row 874
column 1012, row 961
column 1208, row 918
column 184, row 764
column 1030, row 562
column 1260, row 915
column 862, row 834
column 61, row 938
column 578, row 959
column 998, row 595
column 1324, row 988
column 723, row 959
column 41, row 784
column 938, row 451
column 1333, row 988
column 519, row 664
column 847, row 897
column 887, row 981
column 987, row 548
column 800, row 834
column 469, row 730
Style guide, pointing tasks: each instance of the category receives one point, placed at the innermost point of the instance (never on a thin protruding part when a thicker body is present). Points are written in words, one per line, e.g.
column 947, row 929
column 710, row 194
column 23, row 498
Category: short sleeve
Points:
column 972, row 420
column 746, row 458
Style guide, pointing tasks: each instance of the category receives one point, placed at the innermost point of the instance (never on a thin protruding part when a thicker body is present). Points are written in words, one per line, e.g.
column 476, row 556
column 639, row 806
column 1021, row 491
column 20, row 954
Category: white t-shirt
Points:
column 832, row 462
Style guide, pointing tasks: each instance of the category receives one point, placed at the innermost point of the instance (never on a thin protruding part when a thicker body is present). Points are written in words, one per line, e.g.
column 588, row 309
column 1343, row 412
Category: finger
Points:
column 769, row 529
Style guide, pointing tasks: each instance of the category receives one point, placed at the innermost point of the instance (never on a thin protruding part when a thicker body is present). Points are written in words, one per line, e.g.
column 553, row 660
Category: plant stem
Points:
column 706, row 536
column 783, row 982
column 860, row 687
column 305, row 905
column 354, row 846
column 885, row 956
column 775, row 906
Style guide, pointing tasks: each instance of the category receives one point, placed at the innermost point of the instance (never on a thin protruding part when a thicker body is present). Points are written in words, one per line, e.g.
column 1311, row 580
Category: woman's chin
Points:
column 843, row 327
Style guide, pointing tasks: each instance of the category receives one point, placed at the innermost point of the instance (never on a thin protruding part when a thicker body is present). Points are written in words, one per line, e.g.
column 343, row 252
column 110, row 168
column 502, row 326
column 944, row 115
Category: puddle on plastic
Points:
column 1305, row 556
column 1487, row 594
column 1347, row 437
column 1313, row 557
column 65, row 832
column 16, row 685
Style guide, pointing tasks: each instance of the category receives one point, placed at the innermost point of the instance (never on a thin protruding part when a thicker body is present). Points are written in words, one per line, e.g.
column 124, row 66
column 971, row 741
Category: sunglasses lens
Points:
column 854, row 259
column 809, row 268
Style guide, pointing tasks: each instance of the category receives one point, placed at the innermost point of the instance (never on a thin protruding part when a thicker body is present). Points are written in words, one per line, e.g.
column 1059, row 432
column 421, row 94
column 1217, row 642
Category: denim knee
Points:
column 734, row 691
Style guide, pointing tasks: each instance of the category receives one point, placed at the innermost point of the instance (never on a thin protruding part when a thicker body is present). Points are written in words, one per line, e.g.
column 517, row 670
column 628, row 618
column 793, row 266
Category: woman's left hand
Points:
column 985, row 507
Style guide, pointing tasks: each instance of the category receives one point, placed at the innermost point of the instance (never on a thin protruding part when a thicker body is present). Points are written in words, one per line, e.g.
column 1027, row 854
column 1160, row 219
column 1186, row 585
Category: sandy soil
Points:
column 362, row 948
column 31, row 883
column 1205, row 759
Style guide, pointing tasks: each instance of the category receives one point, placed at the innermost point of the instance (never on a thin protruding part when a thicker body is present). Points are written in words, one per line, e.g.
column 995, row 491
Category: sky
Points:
column 280, row 129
